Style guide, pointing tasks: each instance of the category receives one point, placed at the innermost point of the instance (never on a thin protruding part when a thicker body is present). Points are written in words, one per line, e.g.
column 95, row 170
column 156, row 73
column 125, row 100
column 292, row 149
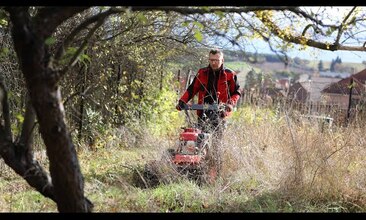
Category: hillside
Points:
column 271, row 64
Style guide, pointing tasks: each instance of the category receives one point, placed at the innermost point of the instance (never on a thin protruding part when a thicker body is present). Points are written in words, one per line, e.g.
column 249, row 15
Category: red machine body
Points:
column 190, row 150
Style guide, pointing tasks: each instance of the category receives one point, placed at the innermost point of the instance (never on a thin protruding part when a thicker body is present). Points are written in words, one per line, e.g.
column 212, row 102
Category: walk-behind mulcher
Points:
column 196, row 154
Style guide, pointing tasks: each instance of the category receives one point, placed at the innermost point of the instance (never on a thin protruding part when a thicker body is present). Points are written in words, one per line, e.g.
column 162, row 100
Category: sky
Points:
column 316, row 54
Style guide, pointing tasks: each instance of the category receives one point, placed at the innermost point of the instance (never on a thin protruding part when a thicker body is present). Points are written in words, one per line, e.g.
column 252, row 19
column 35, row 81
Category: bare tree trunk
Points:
column 29, row 36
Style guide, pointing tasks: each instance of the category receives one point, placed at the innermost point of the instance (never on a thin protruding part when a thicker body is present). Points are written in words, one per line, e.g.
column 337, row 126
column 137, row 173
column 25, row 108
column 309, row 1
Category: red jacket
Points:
column 227, row 87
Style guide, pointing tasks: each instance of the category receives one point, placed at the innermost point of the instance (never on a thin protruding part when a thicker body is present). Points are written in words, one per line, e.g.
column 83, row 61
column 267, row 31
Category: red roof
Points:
column 343, row 86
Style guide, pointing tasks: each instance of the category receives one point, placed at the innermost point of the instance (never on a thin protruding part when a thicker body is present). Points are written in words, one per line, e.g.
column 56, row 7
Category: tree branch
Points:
column 301, row 39
column 80, row 27
column 4, row 109
column 342, row 26
column 49, row 18
column 26, row 136
column 19, row 157
column 185, row 10
column 305, row 15
column 74, row 59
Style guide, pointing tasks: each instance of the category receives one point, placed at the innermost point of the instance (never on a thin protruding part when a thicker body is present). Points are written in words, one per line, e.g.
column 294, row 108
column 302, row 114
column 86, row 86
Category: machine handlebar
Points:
column 213, row 107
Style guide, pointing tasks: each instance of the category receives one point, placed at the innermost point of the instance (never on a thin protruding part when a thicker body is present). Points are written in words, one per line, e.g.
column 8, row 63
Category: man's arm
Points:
column 234, row 91
column 192, row 90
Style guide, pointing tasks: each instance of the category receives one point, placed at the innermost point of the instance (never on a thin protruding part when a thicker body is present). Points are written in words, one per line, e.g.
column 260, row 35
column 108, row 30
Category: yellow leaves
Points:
column 259, row 14
column 255, row 35
column 351, row 85
column 205, row 8
column 303, row 47
column 264, row 15
column 220, row 14
column 303, row 40
column 3, row 20
column 141, row 17
column 269, row 13
column 20, row 118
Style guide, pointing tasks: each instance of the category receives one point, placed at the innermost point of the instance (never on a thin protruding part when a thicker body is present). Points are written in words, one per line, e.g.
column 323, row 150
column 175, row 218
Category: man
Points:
column 214, row 84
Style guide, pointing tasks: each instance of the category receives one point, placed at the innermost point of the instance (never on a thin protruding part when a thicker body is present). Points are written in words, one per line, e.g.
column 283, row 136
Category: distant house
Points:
column 310, row 90
column 333, row 74
column 298, row 92
column 274, row 93
column 303, row 77
column 282, row 84
column 338, row 93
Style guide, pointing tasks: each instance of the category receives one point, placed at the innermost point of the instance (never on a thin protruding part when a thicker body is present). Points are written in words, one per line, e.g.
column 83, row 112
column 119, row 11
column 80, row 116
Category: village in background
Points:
column 332, row 90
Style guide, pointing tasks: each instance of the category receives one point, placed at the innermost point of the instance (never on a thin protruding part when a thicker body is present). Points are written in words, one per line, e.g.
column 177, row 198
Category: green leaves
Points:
column 330, row 30
column 4, row 52
column 351, row 85
column 220, row 14
column 84, row 58
column 20, row 118
column 3, row 22
column 198, row 24
column 3, row 19
column 198, row 35
column 50, row 41
column 196, row 28
column 141, row 17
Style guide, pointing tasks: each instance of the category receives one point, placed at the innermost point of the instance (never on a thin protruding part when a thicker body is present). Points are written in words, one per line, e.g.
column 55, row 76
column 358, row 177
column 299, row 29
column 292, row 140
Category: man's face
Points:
column 215, row 60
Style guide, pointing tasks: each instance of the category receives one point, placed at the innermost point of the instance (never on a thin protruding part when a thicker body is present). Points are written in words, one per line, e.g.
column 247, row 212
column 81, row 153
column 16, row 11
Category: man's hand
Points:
column 229, row 108
column 181, row 105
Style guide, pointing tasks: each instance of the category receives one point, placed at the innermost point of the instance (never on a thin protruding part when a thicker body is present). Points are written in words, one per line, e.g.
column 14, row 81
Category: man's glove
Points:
column 229, row 107
column 181, row 105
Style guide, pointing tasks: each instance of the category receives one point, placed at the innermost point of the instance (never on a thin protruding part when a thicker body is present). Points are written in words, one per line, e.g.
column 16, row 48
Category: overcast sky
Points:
column 316, row 54
column 346, row 56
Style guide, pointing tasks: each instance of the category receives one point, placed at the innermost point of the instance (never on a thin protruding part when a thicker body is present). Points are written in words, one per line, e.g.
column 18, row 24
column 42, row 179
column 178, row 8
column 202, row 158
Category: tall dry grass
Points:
column 296, row 157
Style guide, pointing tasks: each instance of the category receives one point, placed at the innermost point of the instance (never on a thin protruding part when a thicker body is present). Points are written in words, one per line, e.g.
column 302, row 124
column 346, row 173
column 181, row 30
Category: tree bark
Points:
column 19, row 156
column 29, row 35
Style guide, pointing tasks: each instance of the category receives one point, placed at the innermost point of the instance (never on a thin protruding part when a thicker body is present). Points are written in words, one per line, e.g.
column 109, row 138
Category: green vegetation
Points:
column 258, row 171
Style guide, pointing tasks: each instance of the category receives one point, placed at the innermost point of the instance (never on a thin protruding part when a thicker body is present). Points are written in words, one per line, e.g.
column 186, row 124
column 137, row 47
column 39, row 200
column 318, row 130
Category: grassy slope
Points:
column 241, row 68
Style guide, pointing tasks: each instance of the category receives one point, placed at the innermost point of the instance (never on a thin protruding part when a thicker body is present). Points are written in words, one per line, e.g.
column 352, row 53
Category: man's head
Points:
column 216, row 58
